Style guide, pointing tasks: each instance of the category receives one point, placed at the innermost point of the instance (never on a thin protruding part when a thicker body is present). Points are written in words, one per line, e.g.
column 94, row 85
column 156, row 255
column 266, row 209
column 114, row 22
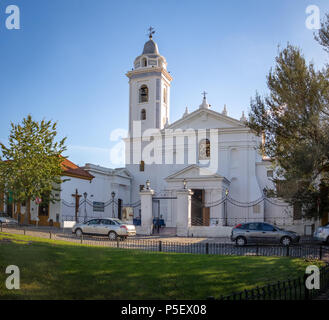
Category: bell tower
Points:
column 149, row 88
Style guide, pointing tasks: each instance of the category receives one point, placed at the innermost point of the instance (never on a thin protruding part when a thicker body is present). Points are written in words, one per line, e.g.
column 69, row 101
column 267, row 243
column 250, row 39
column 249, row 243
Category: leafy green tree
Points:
column 30, row 166
column 293, row 119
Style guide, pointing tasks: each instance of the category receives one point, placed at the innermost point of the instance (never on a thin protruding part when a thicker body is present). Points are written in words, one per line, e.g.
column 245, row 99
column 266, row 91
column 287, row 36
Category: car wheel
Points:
column 240, row 241
column 112, row 235
column 78, row 233
column 286, row 241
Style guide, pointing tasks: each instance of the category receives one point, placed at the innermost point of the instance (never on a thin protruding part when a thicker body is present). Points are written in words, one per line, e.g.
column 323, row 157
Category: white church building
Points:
column 199, row 175
column 206, row 159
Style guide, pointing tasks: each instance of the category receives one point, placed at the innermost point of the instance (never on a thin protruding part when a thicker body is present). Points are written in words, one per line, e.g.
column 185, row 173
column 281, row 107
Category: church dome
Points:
column 150, row 58
column 150, row 47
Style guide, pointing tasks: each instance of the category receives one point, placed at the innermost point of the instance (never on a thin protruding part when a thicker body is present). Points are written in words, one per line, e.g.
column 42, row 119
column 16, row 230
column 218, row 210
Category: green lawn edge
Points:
column 57, row 269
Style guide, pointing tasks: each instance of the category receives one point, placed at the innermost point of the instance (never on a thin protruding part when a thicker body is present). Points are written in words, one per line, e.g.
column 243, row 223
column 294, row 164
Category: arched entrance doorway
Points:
column 200, row 215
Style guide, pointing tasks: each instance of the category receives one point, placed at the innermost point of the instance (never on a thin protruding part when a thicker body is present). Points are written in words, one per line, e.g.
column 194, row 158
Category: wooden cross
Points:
column 77, row 200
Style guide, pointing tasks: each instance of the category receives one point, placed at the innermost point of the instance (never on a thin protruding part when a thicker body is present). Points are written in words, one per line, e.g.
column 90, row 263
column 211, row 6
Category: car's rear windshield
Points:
column 118, row 221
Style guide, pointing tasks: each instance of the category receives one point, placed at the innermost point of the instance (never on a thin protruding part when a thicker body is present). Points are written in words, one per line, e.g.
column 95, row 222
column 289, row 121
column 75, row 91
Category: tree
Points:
column 323, row 35
column 293, row 119
column 30, row 166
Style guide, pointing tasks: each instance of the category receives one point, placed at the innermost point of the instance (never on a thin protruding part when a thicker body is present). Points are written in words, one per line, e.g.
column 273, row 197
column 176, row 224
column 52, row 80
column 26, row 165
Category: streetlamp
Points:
column 113, row 195
column 148, row 184
column 85, row 196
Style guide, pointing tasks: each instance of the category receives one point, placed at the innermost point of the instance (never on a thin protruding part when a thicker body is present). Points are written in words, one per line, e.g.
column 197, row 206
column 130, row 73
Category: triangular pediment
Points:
column 195, row 172
column 123, row 172
column 206, row 119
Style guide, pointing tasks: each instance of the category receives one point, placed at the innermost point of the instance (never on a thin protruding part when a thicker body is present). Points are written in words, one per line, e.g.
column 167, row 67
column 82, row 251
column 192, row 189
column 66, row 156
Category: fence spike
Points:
column 264, row 293
column 258, row 293
column 246, row 294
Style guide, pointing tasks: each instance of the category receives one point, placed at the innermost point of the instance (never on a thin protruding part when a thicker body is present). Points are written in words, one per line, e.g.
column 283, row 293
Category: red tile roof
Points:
column 72, row 170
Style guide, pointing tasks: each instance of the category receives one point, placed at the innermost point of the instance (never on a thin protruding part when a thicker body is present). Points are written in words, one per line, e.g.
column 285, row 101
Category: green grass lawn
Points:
column 61, row 270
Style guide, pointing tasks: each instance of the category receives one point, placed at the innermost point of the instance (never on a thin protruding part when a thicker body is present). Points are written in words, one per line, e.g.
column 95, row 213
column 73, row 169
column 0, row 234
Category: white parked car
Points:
column 7, row 221
column 322, row 233
column 110, row 227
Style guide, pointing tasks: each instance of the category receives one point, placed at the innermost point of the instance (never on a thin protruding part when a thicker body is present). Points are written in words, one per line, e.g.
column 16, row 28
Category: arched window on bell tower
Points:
column 143, row 94
column 144, row 62
column 143, row 114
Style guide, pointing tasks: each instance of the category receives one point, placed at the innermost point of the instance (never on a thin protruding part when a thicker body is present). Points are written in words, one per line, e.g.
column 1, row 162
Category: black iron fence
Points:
column 290, row 289
column 189, row 246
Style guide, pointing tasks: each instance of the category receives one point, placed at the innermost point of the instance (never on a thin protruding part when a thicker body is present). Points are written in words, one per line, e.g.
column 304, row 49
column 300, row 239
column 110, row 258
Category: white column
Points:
column 146, row 212
column 184, row 206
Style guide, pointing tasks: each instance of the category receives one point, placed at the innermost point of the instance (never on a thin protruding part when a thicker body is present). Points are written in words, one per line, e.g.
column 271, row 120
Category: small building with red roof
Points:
column 85, row 192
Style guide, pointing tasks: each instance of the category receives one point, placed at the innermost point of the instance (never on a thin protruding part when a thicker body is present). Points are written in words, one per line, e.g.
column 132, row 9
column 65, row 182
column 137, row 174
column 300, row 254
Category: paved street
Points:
column 66, row 234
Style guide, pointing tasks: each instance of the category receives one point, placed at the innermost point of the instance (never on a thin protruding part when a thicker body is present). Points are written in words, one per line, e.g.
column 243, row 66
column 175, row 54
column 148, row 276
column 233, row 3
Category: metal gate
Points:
column 160, row 209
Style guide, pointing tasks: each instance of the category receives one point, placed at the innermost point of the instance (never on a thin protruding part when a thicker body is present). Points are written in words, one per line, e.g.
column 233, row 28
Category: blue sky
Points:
column 68, row 61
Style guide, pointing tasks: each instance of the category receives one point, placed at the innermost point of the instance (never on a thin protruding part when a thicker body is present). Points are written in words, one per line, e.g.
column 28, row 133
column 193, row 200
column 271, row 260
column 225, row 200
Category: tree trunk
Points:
column 2, row 204
column 27, row 211
column 17, row 207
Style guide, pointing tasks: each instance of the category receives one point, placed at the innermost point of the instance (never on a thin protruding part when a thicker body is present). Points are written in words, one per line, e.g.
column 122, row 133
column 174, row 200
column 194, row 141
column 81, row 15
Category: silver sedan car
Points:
column 111, row 227
column 7, row 221
column 261, row 232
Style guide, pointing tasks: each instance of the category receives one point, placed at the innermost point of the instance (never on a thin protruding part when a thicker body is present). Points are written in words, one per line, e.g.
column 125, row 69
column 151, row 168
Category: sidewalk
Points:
column 45, row 231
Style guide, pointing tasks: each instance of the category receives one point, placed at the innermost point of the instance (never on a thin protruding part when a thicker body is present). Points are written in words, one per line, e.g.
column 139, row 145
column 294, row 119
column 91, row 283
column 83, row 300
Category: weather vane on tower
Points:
column 151, row 32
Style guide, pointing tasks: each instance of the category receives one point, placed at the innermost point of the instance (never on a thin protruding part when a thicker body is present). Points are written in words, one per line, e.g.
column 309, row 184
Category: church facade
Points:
column 213, row 156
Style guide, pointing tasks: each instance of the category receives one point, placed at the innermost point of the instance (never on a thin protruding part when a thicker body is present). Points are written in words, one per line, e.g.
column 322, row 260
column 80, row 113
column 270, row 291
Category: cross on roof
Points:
column 204, row 93
column 151, row 32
